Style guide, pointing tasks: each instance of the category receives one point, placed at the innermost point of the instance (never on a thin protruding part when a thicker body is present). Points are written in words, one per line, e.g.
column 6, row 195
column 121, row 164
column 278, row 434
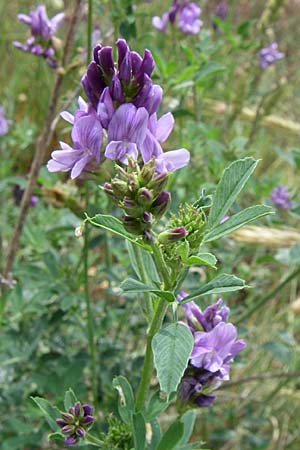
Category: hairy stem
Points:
column 41, row 147
column 155, row 326
column 90, row 322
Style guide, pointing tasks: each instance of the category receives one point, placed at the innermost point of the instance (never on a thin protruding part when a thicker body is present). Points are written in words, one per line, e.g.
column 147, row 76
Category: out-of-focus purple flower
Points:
column 189, row 22
column 42, row 31
column 268, row 55
column 18, row 194
column 76, row 422
column 126, row 132
column 128, row 82
column 160, row 23
column 188, row 18
column 221, row 10
column 87, row 140
column 280, row 197
column 4, row 123
column 214, row 349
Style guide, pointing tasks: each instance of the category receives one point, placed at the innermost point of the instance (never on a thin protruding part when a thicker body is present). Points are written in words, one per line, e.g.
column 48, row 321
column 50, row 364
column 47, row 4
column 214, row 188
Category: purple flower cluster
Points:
column 4, row 123
column 185, row 14
column 123, row 101
column 268, row 55
column 221, row 10
column 280, row 197
column 76, row 422
column 40, row 42
column 215, row 346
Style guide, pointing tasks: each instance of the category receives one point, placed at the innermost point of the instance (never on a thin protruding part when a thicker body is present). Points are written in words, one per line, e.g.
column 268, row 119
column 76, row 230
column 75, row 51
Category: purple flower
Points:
column 187, row 13
column 76, row 422
column 280, row 197
column 160, row 23
column 126, row 132
column 214, row 348
column 42, row 32
column 4, row 123
column 128, row 82
column 268, row 55
column 87, row 140
column 221, row 10
column 158, row 132
column 18, row 194
column 188, row 21
column 208, row 319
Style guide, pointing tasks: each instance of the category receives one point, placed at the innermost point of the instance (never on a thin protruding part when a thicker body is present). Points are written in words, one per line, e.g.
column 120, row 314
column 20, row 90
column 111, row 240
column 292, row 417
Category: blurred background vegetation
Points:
column 225, row 107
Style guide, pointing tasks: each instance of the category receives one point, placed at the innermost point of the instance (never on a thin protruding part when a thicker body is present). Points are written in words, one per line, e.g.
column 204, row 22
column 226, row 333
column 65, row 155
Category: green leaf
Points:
column 114, row 225
column 156, row 405
column 209, row 70
column 70, row 399
column 222, row 283
column 232, row 182
column 172, row 347
column 51, row 413
column 126, row 399
column 139, row 431
column 55, row 436
column 148, row 262
column 132, row 286
column 205, row 259
column 171, row 437
column 188, row 420
column 154, row 434
column 236, row 221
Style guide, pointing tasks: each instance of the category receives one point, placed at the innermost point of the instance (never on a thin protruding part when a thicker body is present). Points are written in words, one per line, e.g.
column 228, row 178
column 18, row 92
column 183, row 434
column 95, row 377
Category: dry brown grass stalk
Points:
column 271, row 237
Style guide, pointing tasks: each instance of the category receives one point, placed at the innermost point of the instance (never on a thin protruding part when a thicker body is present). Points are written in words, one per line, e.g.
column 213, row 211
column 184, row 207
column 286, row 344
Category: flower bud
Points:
column 147, row 172
column 159, row 182
column 144, row 196
column 160, row 204
column 119, row 187
column 107, row 187
column 131, row 208
column 172, row 235
column 132, row 225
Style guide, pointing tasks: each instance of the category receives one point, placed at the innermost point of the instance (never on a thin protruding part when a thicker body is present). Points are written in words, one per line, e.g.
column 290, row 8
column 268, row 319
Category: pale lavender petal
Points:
column 150, row 147
column 67, row 116
column 120, row 123
column 160, row 23
column 56, row 21
column 165, row 125
column 87, row 131
column 80, row 165
column 138, row 126
column 24, row 18
column 170, row 161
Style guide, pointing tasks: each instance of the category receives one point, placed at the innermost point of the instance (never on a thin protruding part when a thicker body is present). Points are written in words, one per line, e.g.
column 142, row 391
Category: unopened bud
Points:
column 132, row 225
column 107, row 187
column 160, row 204
column 119, row 187
column 144, row 196
column 172, row 235
column 147, row 172
column 159, row 182
column 131, row 208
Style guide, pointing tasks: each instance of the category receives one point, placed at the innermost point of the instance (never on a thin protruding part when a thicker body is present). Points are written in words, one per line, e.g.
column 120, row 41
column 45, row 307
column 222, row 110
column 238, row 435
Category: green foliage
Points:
column 172, row 347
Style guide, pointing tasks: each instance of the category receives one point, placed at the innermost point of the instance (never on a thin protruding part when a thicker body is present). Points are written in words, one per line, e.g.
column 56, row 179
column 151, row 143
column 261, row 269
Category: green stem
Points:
column 144, row 277
column 148, row 362
column 268, row 296
column 90, row 324
column 90, row 439
column 155, row 326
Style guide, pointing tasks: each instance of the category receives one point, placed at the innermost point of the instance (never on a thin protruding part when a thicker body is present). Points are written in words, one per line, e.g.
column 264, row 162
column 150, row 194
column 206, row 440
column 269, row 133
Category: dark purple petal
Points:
column 106, row 60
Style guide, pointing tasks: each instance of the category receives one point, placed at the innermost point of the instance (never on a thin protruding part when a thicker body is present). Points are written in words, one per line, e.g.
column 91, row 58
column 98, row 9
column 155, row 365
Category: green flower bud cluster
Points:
column 140, row 193
column 193, row 219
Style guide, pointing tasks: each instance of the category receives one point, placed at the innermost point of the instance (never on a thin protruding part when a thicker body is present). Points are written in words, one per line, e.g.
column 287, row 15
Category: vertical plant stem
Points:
column 90, row 322
column 41, row 148
column 144, row 277
column 148, row 361
column 155, row 326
